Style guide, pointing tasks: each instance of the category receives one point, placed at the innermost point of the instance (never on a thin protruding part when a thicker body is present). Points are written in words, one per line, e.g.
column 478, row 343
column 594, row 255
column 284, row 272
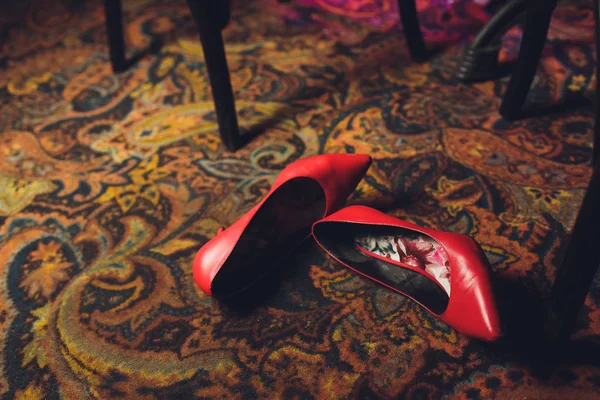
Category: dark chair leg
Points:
column 581, row 260
column 480, row 60
column 578, row 268
column 211, row 17
column 537, row 22
column 114, row 29
column 412, row 29
column 596, row 136
column 597, row 121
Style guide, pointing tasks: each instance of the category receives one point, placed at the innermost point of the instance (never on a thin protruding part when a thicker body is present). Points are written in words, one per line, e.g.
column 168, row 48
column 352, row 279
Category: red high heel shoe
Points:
column 304, row 192
column 446, row 273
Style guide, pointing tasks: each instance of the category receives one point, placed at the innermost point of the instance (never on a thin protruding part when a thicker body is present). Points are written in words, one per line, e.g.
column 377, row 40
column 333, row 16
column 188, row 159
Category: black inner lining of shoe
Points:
column 338, row 238
column 281, row 224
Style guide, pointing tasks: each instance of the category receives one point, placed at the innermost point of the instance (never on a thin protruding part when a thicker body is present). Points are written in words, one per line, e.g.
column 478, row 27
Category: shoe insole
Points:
column 280, row 225
column 355, row 245
column 413, row 249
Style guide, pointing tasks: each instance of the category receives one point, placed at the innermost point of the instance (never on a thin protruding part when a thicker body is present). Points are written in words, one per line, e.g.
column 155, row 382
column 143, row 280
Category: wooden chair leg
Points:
column 412, row 29
column 597, row 121
column 114, row 29
column 210, row 18
column 537, row 22
column 578, row 268
column 596, row 138
column 582, row 259
column 480, row 60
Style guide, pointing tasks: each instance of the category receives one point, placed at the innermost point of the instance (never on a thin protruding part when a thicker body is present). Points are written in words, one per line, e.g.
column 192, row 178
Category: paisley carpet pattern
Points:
column 109, row 184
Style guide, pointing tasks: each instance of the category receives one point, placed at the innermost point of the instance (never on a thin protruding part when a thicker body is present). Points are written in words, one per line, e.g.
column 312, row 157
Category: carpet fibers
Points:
column 110, row 183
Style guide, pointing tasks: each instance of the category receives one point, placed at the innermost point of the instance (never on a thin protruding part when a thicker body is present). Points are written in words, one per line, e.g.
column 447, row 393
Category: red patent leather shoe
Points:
column 446, row 273
column 304, row 192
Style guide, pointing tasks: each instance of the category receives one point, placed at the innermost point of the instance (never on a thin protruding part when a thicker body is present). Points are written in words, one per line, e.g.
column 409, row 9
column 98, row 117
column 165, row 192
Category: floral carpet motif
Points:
column 110, row 183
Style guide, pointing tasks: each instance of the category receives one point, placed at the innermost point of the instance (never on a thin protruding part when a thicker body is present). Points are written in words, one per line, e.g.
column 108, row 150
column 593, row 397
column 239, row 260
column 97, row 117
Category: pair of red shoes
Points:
column 422, row 264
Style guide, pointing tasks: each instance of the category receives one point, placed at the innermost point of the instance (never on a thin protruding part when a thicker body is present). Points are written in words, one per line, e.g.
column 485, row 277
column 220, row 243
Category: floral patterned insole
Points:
column 412, row 249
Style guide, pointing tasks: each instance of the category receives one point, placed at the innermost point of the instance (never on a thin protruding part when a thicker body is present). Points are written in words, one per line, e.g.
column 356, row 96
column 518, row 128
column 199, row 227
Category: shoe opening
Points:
column 392, row 256
column 281, row 224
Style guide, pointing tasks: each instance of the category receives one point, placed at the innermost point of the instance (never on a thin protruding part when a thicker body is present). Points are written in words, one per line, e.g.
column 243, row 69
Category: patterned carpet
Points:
column 109, row 184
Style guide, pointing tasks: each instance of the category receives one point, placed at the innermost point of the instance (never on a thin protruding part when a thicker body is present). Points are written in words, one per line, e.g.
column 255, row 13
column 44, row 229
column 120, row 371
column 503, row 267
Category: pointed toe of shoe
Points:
column 363, row 160
column 473, row 312
column 483, row 322
column 353, row 165
column 347, row 172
